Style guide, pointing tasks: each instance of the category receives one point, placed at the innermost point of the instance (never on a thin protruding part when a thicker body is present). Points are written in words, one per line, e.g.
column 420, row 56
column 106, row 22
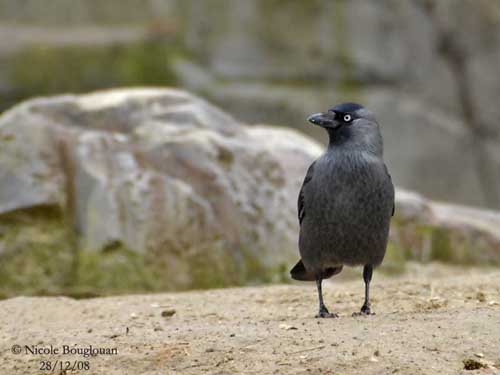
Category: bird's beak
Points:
column 325, row 120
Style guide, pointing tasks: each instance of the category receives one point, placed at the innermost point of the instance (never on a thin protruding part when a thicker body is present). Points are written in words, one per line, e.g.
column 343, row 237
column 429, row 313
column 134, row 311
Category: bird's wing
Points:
column 390, row 179
column 300, row 203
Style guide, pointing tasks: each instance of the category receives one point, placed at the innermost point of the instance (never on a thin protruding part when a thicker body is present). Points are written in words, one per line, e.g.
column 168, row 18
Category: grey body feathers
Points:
column 345, row 204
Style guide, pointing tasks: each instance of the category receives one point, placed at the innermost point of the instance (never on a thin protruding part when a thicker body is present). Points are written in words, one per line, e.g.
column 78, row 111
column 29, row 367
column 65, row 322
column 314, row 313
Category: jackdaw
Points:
column 346, row 201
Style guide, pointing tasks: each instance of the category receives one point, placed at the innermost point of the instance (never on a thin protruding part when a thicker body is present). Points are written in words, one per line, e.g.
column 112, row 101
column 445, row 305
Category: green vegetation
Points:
column 441, row 246
column 34, row 256
column 37, row 257
column 394, row 260
column 53, row 70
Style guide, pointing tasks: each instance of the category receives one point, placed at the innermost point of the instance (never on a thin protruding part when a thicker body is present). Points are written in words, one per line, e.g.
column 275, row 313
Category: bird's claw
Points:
column 324, row 313
column 365, row 311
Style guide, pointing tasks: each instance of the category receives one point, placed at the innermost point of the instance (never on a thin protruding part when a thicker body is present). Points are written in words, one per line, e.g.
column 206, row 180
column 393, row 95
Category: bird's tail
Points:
column 299, row 272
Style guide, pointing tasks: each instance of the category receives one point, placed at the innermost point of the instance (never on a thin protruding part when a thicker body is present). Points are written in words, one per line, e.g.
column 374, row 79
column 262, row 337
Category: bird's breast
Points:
column 349, row 192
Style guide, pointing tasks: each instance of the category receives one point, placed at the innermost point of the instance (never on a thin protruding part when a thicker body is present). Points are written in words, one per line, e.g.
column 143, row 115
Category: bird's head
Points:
column 350, row 124
column 345, row 114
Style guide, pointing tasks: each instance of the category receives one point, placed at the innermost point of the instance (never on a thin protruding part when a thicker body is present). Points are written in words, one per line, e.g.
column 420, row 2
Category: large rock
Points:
column 160, row 171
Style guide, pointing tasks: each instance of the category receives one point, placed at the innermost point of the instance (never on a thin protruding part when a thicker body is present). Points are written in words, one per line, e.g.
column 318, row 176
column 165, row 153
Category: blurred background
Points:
column 428, row 69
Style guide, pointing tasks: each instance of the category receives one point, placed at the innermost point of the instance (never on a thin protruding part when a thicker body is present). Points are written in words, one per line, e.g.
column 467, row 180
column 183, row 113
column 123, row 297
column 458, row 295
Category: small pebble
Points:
column 481, row 297
column 287, row 327
column 472, row 364
column 168, row 313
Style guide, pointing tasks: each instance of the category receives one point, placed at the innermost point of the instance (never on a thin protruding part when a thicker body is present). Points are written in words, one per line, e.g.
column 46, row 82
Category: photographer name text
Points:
column 83, row 351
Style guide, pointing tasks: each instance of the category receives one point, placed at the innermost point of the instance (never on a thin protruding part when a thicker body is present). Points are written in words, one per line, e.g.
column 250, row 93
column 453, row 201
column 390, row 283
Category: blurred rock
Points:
column 160, row 172
column 428, row 69
column 426, row 230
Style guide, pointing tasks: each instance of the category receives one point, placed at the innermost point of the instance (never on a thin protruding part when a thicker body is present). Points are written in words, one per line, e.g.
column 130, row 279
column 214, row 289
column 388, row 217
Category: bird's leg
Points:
column 323, row 311
column 367, row 277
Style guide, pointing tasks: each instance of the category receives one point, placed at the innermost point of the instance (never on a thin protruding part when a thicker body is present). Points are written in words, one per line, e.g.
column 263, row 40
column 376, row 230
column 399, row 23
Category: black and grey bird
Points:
column 346, row 201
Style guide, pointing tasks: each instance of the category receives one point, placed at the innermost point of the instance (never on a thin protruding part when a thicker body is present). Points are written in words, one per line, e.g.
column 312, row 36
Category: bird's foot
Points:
column 324, row 313
column 365, row 311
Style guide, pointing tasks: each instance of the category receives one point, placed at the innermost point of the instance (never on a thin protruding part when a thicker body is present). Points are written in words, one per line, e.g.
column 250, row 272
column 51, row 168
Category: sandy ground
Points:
column 425, row 323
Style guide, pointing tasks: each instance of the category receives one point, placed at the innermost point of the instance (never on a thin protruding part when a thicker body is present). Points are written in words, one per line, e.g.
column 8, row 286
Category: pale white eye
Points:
column 347, row 118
